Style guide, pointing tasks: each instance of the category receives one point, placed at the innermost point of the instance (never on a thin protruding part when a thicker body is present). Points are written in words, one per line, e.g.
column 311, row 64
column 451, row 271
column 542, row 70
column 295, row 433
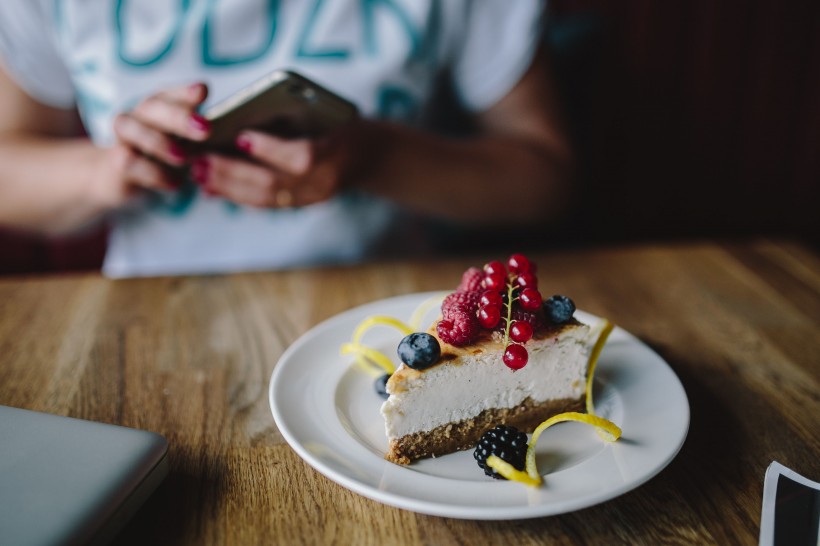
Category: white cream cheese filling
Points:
column 448, row 392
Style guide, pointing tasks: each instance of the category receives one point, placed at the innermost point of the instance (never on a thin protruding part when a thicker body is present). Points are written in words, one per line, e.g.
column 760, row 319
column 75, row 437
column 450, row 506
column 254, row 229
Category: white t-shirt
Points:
column 383, row 55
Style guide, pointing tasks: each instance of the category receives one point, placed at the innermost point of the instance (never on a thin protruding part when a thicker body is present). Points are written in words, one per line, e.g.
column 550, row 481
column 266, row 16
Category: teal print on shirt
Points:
column 304, row 49
column 368, row 20
column 396, row 103
column 162, row 51
column 208, row 56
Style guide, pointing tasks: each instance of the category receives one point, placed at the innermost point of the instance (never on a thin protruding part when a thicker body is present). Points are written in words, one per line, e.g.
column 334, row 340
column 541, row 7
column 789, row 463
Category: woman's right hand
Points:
column 147, row 143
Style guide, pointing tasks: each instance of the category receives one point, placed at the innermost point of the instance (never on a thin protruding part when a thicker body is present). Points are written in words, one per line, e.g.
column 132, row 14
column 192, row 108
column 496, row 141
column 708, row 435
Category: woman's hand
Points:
column 280, row 172
column 148, row 143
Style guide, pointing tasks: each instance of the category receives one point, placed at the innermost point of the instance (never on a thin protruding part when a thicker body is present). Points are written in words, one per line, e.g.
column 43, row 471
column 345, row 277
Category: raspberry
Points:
column 459, row 327
column 505, row 442
column 466, row 301
column 471, row 280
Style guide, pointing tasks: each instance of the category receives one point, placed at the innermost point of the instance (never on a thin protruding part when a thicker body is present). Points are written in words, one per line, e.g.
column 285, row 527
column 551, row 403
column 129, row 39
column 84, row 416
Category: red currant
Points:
column 520, row 331
column 515, row 357
column 530, row 299
column 491, row 297
column 518, row 263
column 495, row 281
column 527, row 280
column 489, row 315
column 495, row 268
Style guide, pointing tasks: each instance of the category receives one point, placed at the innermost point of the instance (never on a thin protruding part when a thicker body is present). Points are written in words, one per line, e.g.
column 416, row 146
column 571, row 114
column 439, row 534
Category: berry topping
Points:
column 471, row 280
column 494, row 298
column 458, row 328
column 463, row 301
column 419, row 350
column 518, row 263
column 507, row 443
column 520, row 331
column 515, row 357
column 559, row 309
column 381, row 385
column 530, row 299
column 527, row 279
column 489, row 315
column 532, row 318
column 495, row 281
column 495, row 268
column 491, row 297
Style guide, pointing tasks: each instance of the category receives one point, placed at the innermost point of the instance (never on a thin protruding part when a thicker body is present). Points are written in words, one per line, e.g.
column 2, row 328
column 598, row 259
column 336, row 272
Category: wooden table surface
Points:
column 191, row 359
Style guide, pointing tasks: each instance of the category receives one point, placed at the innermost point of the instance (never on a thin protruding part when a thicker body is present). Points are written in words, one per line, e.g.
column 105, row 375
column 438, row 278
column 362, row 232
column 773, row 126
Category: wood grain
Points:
column 191, row 357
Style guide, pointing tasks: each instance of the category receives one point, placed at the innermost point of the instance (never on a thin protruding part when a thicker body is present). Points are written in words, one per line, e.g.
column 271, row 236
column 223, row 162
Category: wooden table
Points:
column 191, row 358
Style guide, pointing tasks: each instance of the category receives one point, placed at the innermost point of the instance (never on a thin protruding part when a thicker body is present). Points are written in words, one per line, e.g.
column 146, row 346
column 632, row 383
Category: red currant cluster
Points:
column 498, row 296
column 503, row 289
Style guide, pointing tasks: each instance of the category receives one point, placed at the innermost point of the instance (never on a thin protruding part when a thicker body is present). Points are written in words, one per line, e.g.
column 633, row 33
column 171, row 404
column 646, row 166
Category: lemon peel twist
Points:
column 605, row 428
column 366, row 355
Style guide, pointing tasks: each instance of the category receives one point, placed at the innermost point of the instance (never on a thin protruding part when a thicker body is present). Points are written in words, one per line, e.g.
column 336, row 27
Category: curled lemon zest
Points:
column 372, row 355
column 593, row 362
column 510, row 472
column 376, row 356
column 422, row 309
column 380, row 320
column 606, row 329
column 531, row 476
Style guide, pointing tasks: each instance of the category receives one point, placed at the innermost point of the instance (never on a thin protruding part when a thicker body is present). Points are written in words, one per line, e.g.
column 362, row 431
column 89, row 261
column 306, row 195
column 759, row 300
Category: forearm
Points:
column 482, row 181
column 48, row 184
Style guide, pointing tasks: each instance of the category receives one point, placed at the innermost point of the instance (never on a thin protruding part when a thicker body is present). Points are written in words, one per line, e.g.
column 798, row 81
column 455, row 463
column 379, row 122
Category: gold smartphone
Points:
column 283, row 103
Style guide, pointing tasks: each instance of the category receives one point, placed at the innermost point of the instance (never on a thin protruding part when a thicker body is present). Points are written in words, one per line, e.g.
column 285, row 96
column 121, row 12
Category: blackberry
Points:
column 558, row 309
column 419, row 350
column 506, row 443
column 381, row 385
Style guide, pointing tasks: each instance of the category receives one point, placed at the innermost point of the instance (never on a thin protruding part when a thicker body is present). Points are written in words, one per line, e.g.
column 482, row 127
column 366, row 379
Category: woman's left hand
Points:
column 279, row 172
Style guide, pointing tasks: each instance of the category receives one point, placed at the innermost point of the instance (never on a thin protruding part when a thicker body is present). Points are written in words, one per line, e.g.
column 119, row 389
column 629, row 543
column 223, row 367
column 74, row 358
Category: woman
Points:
column 138, row 73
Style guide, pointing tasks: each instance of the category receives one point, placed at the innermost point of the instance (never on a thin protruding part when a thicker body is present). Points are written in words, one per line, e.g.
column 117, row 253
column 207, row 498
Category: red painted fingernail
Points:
column 199, row 170
column 244, row 143
column 176, row 151
column 199, row 123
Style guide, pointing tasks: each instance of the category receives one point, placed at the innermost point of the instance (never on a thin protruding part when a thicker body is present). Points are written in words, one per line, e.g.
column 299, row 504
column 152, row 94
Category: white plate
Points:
column 328, row 411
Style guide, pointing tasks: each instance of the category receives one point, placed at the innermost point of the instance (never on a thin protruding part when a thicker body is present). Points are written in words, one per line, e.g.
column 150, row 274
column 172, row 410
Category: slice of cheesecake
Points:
column 469, row 390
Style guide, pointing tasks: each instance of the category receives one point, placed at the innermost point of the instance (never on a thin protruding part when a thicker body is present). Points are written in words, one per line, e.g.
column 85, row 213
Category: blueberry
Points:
column 381, row 385
column 419, row 350
column 559, row 309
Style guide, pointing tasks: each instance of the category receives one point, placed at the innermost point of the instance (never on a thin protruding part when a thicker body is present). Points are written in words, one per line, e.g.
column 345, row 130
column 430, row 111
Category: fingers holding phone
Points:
column 277, row 173
column 155, row 127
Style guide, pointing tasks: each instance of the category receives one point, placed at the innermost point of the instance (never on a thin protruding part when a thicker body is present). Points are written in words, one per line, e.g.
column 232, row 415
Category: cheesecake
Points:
column 473, row 385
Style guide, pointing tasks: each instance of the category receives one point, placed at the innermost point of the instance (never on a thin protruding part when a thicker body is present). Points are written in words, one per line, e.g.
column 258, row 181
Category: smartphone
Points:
column 283, row 103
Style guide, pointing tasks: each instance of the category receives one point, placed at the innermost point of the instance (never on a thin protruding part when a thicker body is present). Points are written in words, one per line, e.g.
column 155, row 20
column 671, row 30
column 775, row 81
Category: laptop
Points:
column 70, row 481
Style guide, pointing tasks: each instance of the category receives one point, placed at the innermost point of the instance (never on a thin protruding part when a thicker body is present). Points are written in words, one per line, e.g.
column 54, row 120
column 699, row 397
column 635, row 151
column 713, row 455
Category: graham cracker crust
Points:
column 465, row 434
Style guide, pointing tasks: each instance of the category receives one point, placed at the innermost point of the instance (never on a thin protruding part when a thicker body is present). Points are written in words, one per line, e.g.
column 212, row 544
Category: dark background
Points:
column 692, row 119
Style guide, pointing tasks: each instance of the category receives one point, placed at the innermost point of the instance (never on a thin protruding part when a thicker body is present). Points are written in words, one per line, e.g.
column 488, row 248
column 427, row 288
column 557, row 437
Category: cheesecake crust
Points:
column 465, row 434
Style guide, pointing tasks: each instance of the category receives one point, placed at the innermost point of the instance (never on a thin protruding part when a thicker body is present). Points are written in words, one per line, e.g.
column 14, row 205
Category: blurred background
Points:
column 690, row 119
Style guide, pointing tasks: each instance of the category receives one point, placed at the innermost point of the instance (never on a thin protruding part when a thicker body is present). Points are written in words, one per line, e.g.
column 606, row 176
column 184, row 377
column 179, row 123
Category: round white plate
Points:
column 328, row 411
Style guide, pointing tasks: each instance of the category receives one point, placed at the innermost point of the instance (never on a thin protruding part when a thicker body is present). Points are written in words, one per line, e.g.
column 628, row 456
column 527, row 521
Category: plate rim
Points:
column 486, row 513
